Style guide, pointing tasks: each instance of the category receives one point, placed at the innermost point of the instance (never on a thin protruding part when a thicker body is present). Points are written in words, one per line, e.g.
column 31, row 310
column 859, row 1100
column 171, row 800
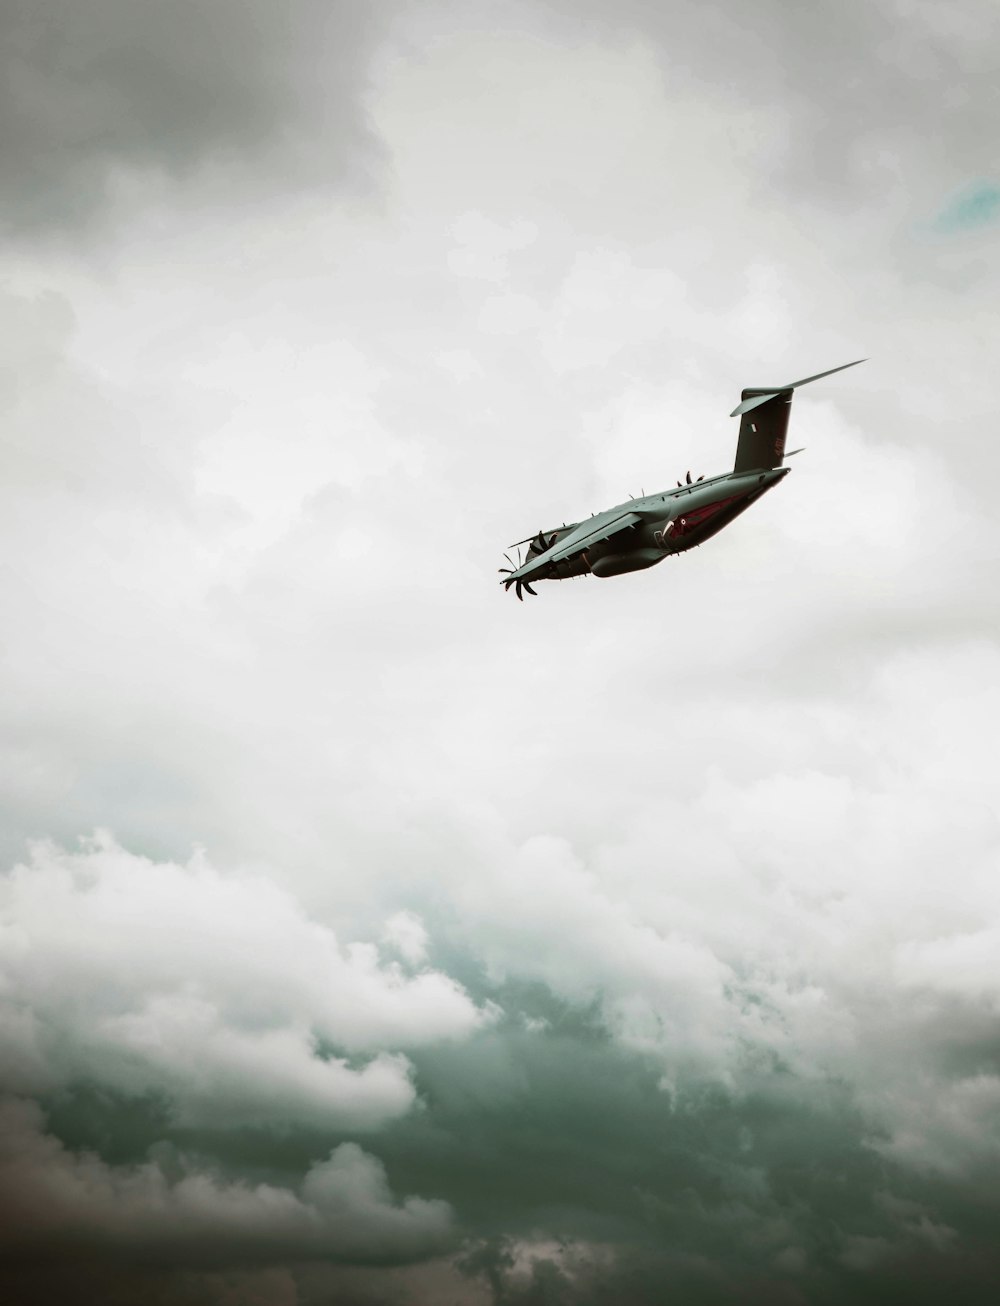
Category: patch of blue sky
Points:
column 973, row 208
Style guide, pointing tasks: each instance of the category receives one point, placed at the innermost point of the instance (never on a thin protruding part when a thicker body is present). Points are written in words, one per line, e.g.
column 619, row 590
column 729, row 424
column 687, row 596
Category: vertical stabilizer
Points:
column 763, row 431
column 763, row 414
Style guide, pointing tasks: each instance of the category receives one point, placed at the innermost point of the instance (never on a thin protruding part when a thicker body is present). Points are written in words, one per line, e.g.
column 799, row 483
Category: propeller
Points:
column 507, row 570
column 520, row 585
column 540, row 544
column 537, row 545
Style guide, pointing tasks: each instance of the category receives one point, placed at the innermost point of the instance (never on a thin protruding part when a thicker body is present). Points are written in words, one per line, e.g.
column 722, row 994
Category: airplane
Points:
column 642, row 532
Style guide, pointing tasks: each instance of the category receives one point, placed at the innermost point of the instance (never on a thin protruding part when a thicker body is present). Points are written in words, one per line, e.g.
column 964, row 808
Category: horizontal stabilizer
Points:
column 758, row 395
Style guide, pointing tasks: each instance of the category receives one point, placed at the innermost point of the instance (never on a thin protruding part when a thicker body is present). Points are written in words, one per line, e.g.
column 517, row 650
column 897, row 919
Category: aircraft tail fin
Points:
column 763, row 413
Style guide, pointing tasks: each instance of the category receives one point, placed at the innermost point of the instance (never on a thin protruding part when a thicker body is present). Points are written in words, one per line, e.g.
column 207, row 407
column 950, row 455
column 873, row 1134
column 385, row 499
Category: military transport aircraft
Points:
column 642, row 532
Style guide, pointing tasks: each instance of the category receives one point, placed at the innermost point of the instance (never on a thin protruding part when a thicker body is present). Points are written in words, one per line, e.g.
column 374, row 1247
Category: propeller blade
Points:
column 517, row 591
column 688, row 475
column 700, row 478
column 529, row 589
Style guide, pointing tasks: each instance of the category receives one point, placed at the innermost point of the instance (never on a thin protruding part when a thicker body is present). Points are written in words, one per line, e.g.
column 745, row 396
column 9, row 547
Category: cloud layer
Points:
column 52, row 1198
column 645, row 930
column 99, row 96
column 214, row 992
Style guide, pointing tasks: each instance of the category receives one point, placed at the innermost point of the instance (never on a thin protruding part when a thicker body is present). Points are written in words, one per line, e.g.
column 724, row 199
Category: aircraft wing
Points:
column 581, row 537
column 588, row 533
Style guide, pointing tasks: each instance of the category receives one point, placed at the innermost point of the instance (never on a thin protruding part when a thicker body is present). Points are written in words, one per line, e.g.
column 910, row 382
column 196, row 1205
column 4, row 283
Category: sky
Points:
column 365, row 935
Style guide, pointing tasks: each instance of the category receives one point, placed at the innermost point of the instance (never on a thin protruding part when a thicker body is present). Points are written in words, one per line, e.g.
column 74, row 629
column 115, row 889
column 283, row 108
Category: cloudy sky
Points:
column 365, row 935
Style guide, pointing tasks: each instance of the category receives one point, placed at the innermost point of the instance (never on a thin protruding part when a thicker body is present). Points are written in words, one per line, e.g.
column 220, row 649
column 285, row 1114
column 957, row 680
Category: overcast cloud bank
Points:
column 639, row 941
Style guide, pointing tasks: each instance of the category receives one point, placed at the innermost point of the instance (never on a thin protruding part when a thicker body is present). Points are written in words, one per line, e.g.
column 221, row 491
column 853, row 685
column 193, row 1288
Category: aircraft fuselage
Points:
column 672, row 522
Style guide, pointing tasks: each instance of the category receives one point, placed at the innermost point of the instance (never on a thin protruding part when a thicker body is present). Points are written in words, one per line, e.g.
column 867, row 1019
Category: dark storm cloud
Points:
column 579, row 1179
column 54, row 1201
column 572, row 1167
column 573, row 1177
column 93, row 91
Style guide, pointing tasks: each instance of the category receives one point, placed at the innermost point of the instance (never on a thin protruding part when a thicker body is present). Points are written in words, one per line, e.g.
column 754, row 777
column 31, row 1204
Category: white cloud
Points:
column 406, row 933
column 214, row 990
column 605, row 305
column 541, row 914
column 482, row 246
column 961, row 964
